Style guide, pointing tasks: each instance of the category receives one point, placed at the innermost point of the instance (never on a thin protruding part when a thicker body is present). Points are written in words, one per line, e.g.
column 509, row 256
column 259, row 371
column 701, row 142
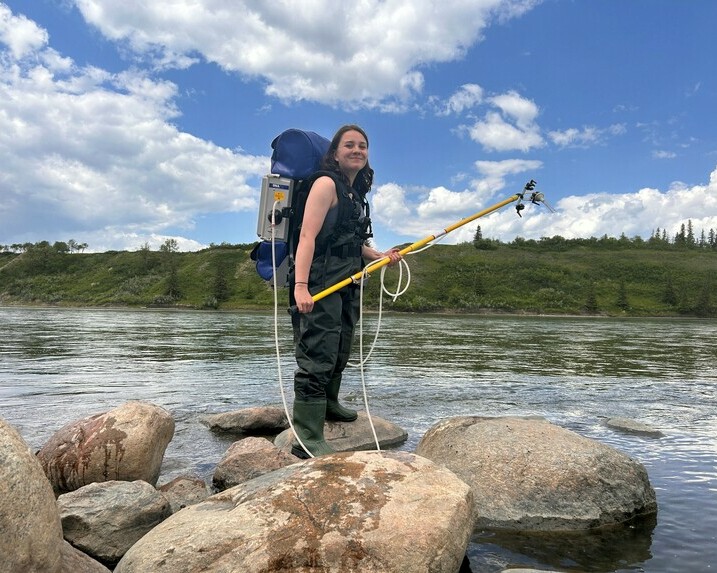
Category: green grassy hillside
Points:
column 548, row 276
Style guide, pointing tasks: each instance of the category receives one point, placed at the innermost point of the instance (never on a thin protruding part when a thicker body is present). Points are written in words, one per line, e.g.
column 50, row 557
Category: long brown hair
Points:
column 364, row 178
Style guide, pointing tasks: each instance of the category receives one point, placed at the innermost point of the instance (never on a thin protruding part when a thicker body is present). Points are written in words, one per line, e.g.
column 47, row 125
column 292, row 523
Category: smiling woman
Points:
column 333, row 244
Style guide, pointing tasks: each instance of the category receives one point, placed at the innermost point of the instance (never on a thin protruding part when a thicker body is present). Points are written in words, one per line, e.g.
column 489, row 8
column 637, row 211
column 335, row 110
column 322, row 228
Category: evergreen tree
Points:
column 145, row 254
column 173, row 289
column 221, row 286
column 690, row 237
column 591, row 304
column 622, row 302
column 478, row 235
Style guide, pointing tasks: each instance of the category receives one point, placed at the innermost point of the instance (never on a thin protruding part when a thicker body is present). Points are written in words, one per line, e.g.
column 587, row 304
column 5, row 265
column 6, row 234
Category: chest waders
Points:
column 323, row 337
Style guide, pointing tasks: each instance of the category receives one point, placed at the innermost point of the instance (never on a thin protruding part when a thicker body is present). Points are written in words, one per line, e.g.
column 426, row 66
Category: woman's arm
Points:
column 321, row 198
column 371, row 254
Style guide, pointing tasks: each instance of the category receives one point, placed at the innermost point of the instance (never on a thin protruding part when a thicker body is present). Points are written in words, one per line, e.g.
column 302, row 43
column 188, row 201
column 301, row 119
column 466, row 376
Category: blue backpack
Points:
column 296, row 155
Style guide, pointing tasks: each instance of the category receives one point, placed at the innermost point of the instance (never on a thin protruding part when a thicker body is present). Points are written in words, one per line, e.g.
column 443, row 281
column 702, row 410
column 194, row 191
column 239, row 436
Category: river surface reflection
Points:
column 58, row 365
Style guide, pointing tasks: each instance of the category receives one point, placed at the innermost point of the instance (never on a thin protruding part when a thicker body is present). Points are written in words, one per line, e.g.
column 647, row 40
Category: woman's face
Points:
column 352, row 153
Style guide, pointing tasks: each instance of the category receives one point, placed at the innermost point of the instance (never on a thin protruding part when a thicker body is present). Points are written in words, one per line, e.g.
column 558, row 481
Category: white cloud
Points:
column 21, row 35
column 598, row 214
column 662, row 154
column 86, row 151
column 468, row 96
column 365, row 53
column 495, row 133
column 432, row 210
column 586, row 136
column 523, row 111
column 512, row 127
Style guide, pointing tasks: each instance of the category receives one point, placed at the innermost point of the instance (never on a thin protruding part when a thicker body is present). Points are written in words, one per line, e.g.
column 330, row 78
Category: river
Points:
column 58, row 365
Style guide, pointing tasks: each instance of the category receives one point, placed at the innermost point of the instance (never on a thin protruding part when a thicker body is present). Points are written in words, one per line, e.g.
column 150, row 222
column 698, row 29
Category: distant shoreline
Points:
column 263, row 309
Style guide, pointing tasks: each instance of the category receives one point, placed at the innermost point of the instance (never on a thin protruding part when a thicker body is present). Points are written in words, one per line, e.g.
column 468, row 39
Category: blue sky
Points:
column 125, row 123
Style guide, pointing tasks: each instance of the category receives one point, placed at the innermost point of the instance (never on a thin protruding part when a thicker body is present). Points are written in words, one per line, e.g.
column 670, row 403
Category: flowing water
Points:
column 58, row 365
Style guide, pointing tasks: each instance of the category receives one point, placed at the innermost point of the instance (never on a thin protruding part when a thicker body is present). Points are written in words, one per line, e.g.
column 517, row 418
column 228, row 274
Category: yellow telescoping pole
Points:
column 371, row 267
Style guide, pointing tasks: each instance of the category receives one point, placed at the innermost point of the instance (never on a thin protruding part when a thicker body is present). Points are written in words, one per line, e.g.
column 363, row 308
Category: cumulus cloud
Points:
column 22, row 36
column 511, row 127
column 87, row 151
column 596, row 214
column 420, row 212
column 468, row 96
column 367, row 53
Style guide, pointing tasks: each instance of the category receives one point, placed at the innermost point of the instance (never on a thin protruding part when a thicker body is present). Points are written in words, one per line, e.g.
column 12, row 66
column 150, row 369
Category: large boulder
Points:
column 126, row 443
column 531, row 475
column 353, row 436
column 105, row 519
column 247, row 459
column 348, row 512
column 31, row 537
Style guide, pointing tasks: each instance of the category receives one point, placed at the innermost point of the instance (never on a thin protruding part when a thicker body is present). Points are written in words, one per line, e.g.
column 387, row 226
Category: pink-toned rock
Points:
column 247, row 459
column 125, row 444
column 357, row 512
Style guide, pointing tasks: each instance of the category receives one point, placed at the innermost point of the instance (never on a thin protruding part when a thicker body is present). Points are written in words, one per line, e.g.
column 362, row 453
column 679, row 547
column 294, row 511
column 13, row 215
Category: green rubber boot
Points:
column 309, row 425
column 335, row 411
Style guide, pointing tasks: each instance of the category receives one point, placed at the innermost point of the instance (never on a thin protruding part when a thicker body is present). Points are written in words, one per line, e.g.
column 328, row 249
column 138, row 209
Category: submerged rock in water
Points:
column 530, row 475
column 633, row 427
column 365, row 512
column 126, row 443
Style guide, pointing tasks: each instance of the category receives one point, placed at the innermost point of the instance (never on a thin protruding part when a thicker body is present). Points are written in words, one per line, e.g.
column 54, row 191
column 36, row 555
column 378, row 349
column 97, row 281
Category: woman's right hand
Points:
column 304, row 301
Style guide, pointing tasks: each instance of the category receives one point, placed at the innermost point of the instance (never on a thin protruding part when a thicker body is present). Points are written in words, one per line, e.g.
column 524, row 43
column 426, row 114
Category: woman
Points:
column 332, row 246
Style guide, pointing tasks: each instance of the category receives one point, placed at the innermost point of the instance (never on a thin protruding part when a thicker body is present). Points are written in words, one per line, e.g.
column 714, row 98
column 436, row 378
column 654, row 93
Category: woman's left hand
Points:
column 394, row 255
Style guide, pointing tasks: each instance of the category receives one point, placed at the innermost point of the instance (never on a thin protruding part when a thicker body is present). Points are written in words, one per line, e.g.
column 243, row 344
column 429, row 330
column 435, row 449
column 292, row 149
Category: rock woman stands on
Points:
column 332, row 246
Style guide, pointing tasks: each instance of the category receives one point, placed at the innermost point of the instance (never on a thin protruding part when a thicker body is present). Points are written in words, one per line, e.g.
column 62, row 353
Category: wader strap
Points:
column 346, row 251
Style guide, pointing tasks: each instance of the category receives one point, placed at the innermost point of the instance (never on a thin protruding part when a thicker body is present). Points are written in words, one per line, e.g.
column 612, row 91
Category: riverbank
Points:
column 562, row 279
